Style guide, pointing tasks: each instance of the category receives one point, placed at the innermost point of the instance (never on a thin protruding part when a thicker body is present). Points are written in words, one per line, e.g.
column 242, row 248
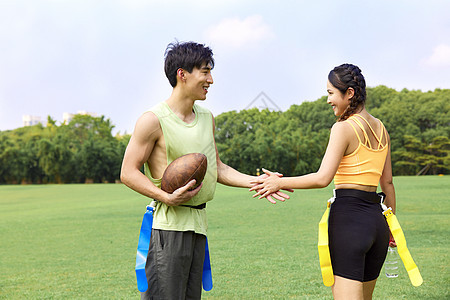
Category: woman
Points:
column 358, row 158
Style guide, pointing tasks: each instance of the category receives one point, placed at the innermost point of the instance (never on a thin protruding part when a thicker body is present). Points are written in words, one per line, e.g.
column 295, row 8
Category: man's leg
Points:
column 168, row 264
column 194, row 285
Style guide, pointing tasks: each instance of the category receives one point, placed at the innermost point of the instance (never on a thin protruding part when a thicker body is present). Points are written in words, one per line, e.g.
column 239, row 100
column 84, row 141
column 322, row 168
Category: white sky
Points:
column 107, row 56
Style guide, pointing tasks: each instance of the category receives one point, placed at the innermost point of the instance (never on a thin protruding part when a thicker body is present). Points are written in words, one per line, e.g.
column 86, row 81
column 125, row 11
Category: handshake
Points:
column 268, row 186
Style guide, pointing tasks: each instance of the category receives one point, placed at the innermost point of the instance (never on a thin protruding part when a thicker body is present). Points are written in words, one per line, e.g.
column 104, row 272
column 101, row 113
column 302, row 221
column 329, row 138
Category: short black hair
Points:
column 185, row 55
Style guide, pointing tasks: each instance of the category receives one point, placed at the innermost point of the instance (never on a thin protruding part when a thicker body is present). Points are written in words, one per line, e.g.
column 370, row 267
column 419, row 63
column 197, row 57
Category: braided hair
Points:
column 348, row 76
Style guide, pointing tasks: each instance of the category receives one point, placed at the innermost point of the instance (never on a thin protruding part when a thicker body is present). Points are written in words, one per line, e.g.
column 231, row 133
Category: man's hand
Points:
column 280, row 196
column 182, row 194
column 277, row 194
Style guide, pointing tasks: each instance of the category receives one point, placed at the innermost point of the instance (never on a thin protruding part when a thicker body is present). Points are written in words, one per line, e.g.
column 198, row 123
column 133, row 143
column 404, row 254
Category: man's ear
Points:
column 180, row 74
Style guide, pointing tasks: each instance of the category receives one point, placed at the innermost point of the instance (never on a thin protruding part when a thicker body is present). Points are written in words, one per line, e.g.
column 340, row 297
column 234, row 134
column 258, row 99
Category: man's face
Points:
column 199, row 81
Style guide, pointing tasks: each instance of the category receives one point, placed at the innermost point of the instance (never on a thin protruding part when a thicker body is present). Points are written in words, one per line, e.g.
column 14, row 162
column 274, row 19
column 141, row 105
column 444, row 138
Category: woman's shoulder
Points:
column 341, row 126
column 342, row 129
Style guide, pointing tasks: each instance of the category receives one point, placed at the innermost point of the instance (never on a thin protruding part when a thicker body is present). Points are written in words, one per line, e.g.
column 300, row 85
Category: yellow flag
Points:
column 324, row 251
column 399, row 237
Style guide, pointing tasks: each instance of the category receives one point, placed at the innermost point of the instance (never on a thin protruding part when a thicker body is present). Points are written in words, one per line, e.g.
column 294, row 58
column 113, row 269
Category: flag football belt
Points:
column 201, row 206
column 394, row 226
column 143, row 247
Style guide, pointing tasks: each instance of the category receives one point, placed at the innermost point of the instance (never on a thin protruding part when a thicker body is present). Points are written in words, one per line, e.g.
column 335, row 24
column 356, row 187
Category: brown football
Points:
column 182, row 170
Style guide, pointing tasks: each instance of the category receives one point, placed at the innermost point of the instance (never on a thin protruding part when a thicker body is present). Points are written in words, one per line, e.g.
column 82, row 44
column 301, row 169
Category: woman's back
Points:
column 365, row 156
column 370, row 130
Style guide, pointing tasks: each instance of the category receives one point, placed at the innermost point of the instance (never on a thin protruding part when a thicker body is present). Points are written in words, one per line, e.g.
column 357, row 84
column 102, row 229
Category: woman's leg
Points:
column 368, row 288
column 344, row 288
column 347, row 289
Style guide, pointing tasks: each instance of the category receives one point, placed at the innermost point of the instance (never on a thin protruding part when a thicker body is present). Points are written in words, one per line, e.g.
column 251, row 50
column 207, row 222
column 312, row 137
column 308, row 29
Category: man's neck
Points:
column 181, row 106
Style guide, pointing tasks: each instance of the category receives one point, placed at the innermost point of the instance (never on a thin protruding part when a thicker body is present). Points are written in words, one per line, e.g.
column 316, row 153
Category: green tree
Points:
column 291, row 142
column 99, row 159
column 55, row 160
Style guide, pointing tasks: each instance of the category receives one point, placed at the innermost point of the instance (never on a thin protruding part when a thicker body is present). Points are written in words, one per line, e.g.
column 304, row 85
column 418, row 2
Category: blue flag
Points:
column 142, row 252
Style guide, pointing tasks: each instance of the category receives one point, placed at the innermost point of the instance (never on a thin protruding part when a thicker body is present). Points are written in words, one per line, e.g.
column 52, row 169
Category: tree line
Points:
column 84, row 150
column 291, row 142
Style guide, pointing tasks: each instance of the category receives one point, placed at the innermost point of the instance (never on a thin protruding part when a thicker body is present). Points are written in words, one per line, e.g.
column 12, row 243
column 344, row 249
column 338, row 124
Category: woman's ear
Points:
column 350, row 93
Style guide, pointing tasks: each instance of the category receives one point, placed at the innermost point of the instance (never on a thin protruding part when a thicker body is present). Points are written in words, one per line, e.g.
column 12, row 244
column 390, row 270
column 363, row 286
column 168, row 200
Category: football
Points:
column 182, row 170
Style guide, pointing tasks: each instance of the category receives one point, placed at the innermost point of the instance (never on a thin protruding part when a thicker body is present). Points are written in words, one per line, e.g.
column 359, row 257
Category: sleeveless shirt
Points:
column 182, row 138
column 364, row 165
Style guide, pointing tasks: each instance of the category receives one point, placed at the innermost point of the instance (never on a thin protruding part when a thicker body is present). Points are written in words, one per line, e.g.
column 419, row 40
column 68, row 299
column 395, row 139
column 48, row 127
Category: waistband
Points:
column 201, row 206
column 370, row 196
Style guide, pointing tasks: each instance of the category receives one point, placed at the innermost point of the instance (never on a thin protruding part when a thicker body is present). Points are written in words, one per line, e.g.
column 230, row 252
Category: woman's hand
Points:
column 268, row 186
column 392, row 242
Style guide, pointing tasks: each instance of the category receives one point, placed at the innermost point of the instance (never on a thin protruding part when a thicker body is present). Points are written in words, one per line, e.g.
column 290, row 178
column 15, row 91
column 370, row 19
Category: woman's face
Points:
column 338, row 101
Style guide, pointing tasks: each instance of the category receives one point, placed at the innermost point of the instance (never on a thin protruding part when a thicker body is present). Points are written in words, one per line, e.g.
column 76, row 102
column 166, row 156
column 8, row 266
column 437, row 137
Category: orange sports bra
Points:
column 364, row 165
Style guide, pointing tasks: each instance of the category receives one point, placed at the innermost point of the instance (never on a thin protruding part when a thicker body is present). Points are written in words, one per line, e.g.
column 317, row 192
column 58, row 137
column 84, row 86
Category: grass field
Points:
column 79, row 242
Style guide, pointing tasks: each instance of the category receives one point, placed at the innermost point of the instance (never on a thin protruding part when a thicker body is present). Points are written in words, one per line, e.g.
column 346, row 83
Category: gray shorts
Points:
column 175, row 265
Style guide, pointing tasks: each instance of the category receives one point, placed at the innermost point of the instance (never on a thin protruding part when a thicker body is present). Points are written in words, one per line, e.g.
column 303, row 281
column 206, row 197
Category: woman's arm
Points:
column 387, row 184
column 340, row 137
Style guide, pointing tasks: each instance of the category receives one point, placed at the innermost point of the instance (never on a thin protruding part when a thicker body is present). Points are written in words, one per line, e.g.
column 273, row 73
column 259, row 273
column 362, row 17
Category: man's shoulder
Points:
column 148, row 120
column 159, row 109
column 202, row 109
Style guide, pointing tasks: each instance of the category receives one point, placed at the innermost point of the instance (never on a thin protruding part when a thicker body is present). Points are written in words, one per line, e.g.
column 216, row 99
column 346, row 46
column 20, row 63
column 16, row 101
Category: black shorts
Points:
column 358, row 235
column 175, row 265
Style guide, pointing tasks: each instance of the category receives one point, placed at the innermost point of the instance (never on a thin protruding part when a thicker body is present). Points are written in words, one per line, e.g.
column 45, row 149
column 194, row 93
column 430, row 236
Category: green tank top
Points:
column 182, row 138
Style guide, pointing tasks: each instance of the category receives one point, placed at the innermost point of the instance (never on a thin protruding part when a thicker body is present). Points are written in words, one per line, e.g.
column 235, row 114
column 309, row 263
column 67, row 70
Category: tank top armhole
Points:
column 159, row 112
column 383, row 130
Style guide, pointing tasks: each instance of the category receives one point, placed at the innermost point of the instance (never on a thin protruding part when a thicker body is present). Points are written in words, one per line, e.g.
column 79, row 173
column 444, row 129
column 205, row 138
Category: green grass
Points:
column 79, row 242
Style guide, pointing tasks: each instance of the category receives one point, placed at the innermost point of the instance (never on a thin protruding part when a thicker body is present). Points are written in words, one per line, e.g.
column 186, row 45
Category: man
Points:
column 173, row 128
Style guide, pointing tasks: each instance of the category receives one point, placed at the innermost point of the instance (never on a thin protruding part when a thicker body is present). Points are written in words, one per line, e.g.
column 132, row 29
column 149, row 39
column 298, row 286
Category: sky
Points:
column 107, row 56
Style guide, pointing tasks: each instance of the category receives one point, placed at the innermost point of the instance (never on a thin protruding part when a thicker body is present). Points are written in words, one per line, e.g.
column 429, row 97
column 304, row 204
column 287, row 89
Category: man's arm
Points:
column 228, row 176
column 142, row 143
